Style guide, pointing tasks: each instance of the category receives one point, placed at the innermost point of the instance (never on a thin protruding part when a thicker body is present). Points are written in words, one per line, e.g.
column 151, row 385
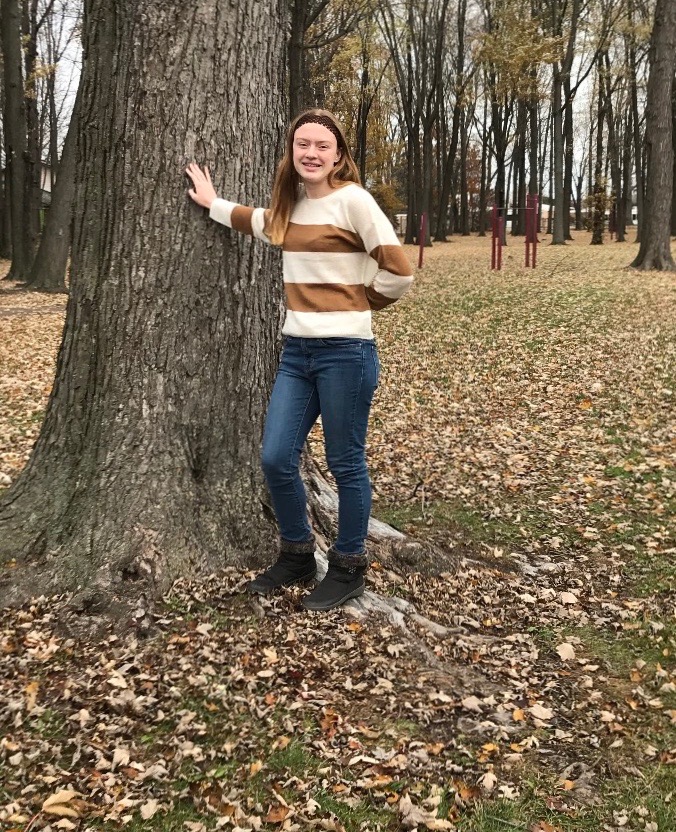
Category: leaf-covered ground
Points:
column 525, row 420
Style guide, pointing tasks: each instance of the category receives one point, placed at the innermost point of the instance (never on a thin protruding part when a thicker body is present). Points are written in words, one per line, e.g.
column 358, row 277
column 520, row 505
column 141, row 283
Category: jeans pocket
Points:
column 376, row 364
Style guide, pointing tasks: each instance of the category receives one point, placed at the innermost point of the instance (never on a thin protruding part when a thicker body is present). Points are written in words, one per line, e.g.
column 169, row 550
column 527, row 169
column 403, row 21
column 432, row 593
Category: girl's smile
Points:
column 315, row 152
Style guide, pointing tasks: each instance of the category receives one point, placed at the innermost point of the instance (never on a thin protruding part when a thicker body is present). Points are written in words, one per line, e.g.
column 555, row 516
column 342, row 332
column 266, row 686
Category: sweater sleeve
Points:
column 246, row 220
column 393, row 278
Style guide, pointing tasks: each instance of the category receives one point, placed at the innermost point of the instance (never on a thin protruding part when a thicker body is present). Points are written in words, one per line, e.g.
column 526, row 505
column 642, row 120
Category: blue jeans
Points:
column 334, row 377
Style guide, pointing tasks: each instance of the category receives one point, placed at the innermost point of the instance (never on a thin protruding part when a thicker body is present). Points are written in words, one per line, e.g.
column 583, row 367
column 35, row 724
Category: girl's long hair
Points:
column 286, row 187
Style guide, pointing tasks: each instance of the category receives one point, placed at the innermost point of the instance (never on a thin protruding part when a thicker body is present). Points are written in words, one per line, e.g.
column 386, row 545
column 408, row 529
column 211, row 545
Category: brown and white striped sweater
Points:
column 341, row 260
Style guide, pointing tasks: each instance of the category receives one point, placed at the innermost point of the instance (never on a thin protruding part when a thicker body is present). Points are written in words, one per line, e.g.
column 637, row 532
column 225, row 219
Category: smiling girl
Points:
column 341, row 260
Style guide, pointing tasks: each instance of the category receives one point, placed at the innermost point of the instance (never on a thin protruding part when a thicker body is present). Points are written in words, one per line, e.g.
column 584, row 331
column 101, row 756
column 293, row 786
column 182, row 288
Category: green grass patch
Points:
column 470, row 525
column 50, row 725
column 642, row 799
column 644, row 639
column 294, row 759
column 358, row 816
column 651, row 574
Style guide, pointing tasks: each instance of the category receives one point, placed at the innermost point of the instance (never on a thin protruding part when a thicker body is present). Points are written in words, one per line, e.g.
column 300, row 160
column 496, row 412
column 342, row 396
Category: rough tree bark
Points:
column 146, row 466
column 655, row 249
column 673, row 145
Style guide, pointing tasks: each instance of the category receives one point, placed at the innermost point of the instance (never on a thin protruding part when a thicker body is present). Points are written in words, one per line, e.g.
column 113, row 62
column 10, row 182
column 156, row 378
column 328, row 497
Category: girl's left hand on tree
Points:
column 203, row 192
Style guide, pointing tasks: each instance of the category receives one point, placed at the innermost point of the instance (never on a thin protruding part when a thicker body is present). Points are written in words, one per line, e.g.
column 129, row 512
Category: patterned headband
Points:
column 323, row 120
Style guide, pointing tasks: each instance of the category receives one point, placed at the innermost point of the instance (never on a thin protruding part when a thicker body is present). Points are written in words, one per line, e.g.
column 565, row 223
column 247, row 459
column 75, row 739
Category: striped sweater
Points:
column 341, row 259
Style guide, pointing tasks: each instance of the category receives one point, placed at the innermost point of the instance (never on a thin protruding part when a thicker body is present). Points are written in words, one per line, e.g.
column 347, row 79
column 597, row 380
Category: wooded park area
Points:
column 511, row 665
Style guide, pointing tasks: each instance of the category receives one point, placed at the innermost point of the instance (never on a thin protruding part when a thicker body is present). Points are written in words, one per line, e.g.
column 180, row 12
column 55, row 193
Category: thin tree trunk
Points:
column 362, row 115
column 655, row 249
column 626, row 217
column 146, row 467
column 464, row 196
column 578, row 203
column 5, row 226
column 613, row 153
column 48, row 271
column 599, row 207
column 561, row 73
column 485, row 172
column 15, row 133
column 32, row 183
column 550, row 215
column 568, row 157
column 534, row 138
column 296, row 50
column 559, row 232
column 638, row 147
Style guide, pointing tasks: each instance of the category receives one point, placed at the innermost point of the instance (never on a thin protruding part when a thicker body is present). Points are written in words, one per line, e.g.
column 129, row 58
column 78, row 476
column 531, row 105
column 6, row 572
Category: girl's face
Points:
column 315, row 151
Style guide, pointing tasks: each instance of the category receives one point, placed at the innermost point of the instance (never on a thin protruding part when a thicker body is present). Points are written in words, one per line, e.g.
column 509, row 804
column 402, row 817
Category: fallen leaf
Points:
column 61, row 804
column 149, row 809
column 540, row 712
column 31, row 692
column 276, row 814
column 566, row 652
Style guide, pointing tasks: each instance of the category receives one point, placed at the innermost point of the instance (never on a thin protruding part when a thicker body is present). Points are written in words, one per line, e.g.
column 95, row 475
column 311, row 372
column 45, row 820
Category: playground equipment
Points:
column 421, row 238
column 498, row 230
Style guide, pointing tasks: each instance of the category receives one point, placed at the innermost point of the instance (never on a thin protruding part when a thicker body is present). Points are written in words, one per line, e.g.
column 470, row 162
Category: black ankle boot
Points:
column 344, row 580
column 295, row 565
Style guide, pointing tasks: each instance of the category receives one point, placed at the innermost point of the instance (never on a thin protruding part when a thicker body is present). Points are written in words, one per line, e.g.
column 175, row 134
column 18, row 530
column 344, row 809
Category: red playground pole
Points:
column 496, row 239
column 529, row 212
column 536, row 209
column 501, row 227
column 421, row 238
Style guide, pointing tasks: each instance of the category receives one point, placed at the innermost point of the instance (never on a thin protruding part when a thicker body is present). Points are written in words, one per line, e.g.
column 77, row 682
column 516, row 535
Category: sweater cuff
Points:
column 221, row 211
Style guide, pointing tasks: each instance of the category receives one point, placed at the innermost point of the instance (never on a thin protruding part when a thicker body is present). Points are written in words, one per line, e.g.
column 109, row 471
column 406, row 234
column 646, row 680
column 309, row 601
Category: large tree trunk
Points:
column 655, row 250
column 48, row 272
column 673, row 145
column 146, row 467
column 15, row 133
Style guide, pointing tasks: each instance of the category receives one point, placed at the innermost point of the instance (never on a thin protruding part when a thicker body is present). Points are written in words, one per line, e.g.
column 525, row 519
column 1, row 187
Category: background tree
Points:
column 146, row 466
column 655, row 250
column 14, row 121
column 48, row 271
column 316, row 27
column 59, row 32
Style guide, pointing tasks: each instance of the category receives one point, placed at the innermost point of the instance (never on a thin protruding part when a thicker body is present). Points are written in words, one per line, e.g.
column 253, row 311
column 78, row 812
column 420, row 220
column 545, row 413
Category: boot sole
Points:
column 355, row 593
column 264, row 590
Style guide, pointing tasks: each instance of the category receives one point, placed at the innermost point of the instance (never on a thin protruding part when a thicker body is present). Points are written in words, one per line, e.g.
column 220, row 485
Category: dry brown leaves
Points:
column 546, row 393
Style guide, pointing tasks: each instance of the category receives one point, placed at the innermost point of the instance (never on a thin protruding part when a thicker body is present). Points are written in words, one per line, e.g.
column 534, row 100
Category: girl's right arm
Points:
column 240, row 217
